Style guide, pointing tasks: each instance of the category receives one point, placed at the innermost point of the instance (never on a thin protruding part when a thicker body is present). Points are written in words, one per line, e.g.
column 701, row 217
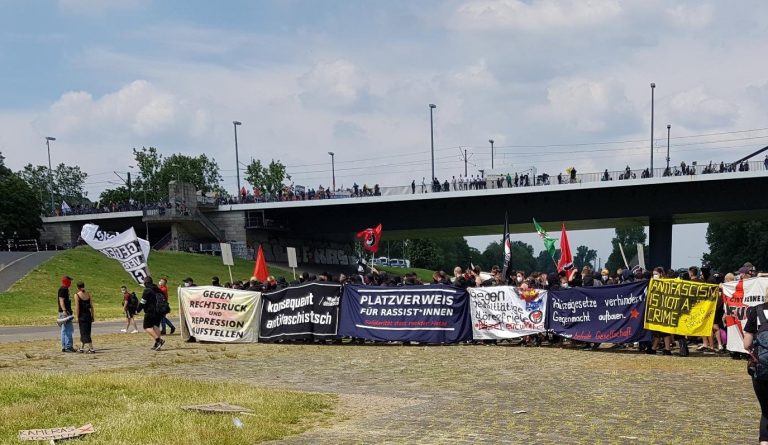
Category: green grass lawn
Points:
column 424, row 275
column 32, row 300
column 145, row 409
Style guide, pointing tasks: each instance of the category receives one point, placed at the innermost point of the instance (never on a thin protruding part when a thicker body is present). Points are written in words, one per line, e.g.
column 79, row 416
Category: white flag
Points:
column 131, row 251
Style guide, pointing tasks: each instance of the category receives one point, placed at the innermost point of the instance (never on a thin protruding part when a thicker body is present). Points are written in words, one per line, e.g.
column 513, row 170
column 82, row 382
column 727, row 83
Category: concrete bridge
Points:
column 657, row 202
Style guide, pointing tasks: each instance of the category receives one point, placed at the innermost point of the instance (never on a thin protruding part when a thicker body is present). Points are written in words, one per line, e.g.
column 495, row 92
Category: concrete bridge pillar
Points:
column 660, row 242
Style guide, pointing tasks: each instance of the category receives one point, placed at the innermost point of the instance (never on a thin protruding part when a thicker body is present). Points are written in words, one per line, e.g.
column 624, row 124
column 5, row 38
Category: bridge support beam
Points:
column 660, row 242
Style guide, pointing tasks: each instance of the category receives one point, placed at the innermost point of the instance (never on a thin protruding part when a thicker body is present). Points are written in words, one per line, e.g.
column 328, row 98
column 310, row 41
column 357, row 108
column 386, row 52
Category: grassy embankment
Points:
column 32, row 300
column 145, row 409
column 424, row 275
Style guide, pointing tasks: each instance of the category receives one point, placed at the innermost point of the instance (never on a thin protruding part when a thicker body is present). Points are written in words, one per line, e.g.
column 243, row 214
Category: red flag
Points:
column 566, row 260
column 260, row 270
column 371, row 238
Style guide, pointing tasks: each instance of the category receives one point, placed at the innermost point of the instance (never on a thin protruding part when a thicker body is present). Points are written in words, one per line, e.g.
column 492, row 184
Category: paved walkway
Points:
column 14, row 265
column 456, row 394
column 31, row 333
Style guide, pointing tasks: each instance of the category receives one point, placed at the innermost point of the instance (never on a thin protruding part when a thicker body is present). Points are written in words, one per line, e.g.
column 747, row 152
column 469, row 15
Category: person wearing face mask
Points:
column 658, row 273
column 587, row 279
column 605, row 278
column 519, row 278
column 188, row 282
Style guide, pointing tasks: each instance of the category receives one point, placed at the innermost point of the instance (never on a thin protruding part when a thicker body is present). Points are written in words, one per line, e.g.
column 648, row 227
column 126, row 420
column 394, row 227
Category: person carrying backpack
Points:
column 756, row 343
column 152, row 303
column 162, row 285
column 130, row 306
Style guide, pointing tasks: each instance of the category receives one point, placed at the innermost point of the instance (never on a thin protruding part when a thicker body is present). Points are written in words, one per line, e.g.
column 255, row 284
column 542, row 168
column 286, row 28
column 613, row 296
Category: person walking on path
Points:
column 130, row 306
column 148, row 304
column 85, row 317
column 65, row 315
column 162, row 285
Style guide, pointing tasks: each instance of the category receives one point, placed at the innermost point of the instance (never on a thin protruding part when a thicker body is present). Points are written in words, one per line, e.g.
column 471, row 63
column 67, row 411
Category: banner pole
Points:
column 231, row 280
column 621, row 248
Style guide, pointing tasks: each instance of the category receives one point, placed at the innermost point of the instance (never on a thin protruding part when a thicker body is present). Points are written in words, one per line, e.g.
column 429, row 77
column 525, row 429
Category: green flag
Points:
column 549, row 242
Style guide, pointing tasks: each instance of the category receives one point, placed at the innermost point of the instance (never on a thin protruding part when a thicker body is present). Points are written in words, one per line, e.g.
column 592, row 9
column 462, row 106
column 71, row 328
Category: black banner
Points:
column 306, row 312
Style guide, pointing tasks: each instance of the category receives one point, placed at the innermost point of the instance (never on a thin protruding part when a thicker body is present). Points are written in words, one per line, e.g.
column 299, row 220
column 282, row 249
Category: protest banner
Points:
column 306, row 312
column 501, row 312
column 53, row 434
column 218, row 314
column 131, row 251
column 425, row 314
column 602, row 314
column 681, row 307
column 738, row 296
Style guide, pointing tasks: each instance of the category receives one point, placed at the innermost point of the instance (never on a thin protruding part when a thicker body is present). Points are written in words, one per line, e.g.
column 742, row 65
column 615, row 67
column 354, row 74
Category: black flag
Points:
column 507, row 250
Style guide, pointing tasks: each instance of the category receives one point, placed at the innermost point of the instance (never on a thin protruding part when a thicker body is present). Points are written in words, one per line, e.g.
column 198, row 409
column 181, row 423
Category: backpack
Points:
column 162, row 307
column 760, row 351
column 133, row 302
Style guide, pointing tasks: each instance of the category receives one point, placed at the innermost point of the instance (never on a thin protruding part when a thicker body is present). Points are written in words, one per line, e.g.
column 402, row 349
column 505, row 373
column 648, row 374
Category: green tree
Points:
column 423, row 254
column 156, row 171
column 521, row 258
column 545, row 263
column 452, row 252
column 20, row 205
column 629, row 237
column 117, row 194
column 267, row 179
column 65, row 182
column 584, row 257
column 733, row 244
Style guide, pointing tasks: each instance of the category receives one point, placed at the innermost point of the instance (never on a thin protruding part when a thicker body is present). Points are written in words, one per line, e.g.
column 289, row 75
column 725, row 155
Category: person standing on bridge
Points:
column 65, row 315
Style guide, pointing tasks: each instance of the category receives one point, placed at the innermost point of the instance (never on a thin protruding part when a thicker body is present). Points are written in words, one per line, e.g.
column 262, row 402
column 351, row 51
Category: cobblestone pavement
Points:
column 458, row 394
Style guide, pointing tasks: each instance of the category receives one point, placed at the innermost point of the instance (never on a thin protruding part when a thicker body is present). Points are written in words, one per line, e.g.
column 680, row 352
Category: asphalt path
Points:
column 27, row 333
column 14, row 265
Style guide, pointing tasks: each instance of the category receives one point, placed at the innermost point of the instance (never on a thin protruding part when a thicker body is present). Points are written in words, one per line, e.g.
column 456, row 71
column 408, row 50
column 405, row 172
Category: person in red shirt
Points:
column 130, row 305
column 163, row 286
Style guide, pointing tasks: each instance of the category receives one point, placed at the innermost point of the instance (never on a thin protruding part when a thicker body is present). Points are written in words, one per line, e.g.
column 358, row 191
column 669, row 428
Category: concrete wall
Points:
column 60, row 233
column 232, row 223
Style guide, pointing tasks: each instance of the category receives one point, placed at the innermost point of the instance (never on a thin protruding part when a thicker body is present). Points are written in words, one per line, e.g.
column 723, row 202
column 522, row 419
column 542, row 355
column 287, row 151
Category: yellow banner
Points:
column 681, row 307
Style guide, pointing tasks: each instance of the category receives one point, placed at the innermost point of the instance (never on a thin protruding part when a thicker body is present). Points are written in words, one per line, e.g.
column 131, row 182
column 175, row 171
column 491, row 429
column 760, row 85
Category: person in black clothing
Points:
column 85, row 317
column 64, row 307
column 151, row 318
column 751, row 329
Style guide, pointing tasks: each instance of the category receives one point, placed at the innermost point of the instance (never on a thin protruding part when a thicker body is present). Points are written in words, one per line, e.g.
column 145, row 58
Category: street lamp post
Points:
column 668, row 129
column 48, row 140
column 333, row 170
column 237, row 159
column 491, row 141
column 653, row 88
column 432, row 137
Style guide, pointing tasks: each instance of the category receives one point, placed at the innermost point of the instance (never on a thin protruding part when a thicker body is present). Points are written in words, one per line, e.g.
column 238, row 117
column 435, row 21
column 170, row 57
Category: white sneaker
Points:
column 123, row 330
column 134, row 331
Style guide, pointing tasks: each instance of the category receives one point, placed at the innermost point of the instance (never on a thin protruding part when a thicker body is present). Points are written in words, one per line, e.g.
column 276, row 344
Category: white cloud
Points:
column 337, row 83
column 690, row 16
column 535, row 15
column 587, row 105
column 138, row 108
column 475, row 76
column 697, row 110
column 98, row 7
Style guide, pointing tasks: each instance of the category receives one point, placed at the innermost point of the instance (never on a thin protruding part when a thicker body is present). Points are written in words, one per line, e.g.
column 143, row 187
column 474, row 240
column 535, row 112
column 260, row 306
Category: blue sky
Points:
column 545, row 79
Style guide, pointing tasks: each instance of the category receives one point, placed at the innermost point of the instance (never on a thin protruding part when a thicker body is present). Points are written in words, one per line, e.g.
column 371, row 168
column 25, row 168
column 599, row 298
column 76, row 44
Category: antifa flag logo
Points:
column 371, row 238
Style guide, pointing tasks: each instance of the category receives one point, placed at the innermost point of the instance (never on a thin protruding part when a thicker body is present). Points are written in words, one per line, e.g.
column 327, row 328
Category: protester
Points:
column 754, row 326
column 85, row 318
column 130, row 305
column 162, row 285
column 65, row 315
column 149, row 303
